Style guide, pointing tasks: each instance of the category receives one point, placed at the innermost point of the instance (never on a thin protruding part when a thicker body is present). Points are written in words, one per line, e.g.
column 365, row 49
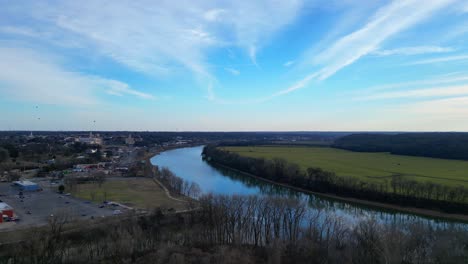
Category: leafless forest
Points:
column 241, row 229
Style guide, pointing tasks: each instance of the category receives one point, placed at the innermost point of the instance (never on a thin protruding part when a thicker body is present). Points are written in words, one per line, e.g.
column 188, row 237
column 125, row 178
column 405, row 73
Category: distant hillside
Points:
column 435, row 145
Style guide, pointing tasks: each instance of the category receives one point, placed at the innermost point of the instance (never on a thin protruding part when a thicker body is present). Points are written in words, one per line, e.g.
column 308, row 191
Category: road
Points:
column 35, row 208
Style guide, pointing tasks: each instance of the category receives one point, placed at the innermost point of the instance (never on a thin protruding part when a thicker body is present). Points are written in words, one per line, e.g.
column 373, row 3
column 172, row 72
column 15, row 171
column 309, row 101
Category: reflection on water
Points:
column 188, row 164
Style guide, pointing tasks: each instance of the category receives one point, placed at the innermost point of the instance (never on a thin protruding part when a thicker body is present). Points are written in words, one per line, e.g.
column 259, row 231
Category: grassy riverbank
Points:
column 360, row 202
column 140, row 193
column 371, row 167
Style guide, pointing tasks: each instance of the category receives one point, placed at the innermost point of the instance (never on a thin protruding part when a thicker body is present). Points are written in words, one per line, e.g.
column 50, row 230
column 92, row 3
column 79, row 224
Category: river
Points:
column 187, row 163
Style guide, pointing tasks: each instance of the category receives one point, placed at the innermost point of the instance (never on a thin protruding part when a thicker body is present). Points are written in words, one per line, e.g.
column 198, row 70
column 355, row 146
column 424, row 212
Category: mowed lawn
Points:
column 369, row 166
column 140, row 193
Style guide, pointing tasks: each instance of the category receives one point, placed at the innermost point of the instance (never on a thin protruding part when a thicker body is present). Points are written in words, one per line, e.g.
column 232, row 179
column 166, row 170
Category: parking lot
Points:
column 35, row 208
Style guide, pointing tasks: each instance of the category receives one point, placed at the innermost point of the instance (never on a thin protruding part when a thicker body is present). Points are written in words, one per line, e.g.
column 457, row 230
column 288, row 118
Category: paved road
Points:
column 43, row 204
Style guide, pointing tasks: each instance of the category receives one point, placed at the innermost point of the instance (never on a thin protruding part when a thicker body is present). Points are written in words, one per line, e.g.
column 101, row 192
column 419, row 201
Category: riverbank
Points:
column 151, row 172
column 392, row 207
column 151, row 153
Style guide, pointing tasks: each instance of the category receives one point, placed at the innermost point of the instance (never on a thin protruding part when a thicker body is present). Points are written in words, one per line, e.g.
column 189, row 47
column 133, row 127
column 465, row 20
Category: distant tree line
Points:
column 311, row 142
column 4, row 154
column 9, row 151
column 398, row 191
column 435, row 145
column 71, row 182
column 237, row 229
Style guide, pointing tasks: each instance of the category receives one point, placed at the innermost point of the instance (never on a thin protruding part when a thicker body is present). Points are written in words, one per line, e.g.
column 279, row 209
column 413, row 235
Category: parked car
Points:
column 116, row 212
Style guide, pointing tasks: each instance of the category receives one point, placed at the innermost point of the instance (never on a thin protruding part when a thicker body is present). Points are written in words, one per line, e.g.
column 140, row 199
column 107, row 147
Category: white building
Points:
column 91, row 140
column 129, row 140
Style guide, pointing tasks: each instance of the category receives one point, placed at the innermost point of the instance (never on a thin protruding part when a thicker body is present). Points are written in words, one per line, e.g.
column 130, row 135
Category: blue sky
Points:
column 234, row 65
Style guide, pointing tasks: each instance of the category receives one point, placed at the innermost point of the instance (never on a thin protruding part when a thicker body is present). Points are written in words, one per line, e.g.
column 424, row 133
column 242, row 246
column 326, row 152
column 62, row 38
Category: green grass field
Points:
column 366, row 166
column 138, row 193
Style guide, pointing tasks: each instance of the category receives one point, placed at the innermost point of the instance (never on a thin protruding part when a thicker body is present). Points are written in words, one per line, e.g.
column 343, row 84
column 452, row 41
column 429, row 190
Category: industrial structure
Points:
column 27, row 186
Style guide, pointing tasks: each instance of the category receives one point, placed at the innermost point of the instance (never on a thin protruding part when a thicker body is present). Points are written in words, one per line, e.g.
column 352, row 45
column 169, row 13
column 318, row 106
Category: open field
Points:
column 140, row 193
column 376, row 167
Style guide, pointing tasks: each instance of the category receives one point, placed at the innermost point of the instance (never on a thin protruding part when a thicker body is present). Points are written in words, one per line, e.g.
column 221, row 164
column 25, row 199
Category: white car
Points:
column 117, row 212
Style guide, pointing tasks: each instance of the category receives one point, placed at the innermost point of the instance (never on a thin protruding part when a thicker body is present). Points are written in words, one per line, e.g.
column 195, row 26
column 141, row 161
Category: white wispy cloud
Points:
column 440, row 59
column 384, row 24
column 456, row 77
column 120, row 88
column 28, row 76
column 449, row 84
column 24, row 31
column 146, row 38
column 288, row 63
column 457, row 31
column 158, row 39
column 354, row 15
column 298, row 85
column 446, row 108
column 421, row 93
column 417, row 50
column 214, row 14
column 155, row 38
column 462, row 7
column 255, row 22
column 232, row 71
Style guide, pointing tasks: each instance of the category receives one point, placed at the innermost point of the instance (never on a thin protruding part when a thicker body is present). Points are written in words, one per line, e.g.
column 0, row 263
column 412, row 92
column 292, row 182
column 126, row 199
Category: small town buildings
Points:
column 91, row 151
column 85, row 167
column 104, row 165
column 31, row 136
column 89, row 167
column 121, row 169
column 91, row 140
column 27, row 186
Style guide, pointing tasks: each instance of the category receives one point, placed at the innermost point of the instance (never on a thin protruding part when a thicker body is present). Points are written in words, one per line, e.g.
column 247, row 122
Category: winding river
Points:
column 188, row 164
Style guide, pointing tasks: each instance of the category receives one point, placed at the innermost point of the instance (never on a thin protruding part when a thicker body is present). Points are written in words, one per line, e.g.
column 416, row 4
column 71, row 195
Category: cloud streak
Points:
column 232, row 71
column 413, row 50
column 384, row 24
column 119, row 88
column 447, row 106
column 430, row 81
column 288, row 63
column 156, row 39
column 421, row 93
column 441, row 60
column 47, row 82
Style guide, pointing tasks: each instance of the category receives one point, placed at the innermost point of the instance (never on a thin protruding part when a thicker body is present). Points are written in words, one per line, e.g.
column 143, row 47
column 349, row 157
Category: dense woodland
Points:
column 240, row 229
column 435, row 145
column 400, row 191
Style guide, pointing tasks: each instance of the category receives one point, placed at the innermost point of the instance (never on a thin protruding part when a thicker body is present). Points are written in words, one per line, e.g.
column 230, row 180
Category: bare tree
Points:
column 100, row 177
